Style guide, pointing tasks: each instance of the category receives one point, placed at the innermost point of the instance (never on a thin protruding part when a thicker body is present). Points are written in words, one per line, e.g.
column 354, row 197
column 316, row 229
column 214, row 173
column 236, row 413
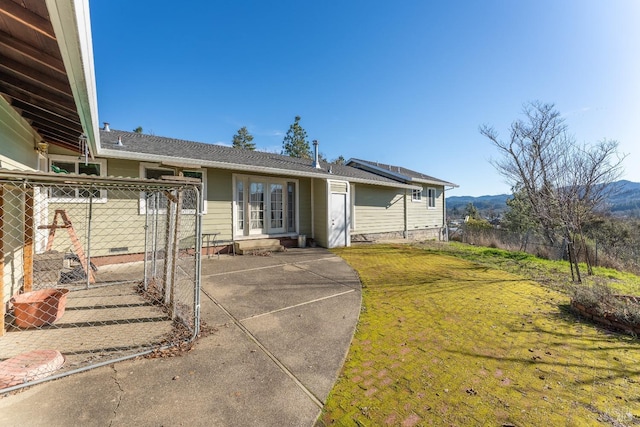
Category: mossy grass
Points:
column 454, row 335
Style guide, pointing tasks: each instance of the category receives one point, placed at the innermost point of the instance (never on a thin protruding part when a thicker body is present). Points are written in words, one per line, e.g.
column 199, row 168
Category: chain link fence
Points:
column 94, row 270
column 624, row 256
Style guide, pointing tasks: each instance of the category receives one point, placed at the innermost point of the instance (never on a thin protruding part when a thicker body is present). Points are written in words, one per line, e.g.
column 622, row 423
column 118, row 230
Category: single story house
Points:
column 49, row 122
column 253, row 194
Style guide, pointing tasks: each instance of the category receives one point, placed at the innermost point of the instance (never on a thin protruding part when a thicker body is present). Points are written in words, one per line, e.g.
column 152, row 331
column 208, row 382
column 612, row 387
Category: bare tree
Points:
column 563, row 182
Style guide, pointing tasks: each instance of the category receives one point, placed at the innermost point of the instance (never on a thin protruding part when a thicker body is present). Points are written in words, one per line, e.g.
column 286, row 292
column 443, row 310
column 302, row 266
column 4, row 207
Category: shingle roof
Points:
column 398, row 172
column 161, row 149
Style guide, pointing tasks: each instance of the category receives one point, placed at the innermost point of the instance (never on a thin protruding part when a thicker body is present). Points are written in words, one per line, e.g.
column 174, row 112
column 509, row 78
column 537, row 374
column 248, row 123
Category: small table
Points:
column 210, row 235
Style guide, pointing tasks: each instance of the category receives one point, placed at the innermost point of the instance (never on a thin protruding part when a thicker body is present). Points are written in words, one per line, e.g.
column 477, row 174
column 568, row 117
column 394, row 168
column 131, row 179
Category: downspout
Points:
column 406, row 216
column 445, row 227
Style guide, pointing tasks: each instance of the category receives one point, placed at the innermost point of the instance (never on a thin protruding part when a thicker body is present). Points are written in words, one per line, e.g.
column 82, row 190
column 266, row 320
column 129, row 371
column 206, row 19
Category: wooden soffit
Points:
column 33, row 78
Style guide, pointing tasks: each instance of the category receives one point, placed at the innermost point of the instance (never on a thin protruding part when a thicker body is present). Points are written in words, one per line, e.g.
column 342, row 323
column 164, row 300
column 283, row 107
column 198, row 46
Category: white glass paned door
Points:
column 256, row 208
column 276, row 212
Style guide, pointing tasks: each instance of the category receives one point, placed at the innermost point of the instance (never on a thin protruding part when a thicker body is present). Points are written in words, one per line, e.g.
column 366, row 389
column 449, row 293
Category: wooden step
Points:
column 258, row 245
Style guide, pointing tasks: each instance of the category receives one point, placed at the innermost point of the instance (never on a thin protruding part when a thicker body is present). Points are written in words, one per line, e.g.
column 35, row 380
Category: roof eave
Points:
column 435, row 182
column 72, row 25
column 144, row 157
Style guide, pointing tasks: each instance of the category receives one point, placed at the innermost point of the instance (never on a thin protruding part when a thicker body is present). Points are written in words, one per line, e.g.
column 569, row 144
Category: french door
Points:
column 264, row 206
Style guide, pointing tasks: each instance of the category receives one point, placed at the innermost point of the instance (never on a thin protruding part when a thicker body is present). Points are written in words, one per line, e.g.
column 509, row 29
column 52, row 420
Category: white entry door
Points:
column 338, row 225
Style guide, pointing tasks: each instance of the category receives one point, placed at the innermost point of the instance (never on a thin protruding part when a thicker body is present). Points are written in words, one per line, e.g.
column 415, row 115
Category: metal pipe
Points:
column 155, row 235
column 145, row 280
column 198, row 263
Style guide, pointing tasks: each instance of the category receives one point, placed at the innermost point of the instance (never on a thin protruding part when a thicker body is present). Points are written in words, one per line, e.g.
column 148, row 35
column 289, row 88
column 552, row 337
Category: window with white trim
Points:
column 240, row 207
column 155, row 171
column 264, row 205
column 416, row 195
column 190, row 203
column 72, row 164
column 431, row 198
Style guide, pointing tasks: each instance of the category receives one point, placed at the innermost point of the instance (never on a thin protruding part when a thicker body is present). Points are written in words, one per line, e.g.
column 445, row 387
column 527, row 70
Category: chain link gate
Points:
column 94, row 270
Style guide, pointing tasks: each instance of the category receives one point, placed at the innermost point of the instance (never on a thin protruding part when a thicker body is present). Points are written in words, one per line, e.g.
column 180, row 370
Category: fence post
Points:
column 154, row 234
column 168, row 248
column 145, row 277
column 175, row 251
column 27, row 251
column 198, row 261
column 2, row 260
column 89, row 217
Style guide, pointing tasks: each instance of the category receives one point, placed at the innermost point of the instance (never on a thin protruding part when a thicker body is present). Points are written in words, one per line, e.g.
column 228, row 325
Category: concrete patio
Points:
column 282, row 326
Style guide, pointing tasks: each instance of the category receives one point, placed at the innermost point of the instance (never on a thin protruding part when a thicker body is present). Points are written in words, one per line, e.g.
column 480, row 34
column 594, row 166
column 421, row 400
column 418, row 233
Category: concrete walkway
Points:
column 283, row 327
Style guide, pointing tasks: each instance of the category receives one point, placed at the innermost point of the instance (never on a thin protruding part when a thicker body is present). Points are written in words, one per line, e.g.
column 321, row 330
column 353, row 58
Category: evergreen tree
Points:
column 295, row 142
column 519, row 216
column 471, row 211
column 340, row 160
column 243, row 139
column 138, row 129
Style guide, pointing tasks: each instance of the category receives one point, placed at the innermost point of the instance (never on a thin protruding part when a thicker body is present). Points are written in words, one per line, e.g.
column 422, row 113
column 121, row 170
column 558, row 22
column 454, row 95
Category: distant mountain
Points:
column 485, row 204
column 624, row 201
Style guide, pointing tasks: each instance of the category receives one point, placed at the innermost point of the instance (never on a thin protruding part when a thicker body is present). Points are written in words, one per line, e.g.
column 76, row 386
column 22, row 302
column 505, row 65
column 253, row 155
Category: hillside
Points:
column 487, row 205
column 624, row 201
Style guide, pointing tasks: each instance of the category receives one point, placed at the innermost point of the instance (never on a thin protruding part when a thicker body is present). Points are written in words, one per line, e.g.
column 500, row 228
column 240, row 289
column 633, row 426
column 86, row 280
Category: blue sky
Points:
column 405, row 82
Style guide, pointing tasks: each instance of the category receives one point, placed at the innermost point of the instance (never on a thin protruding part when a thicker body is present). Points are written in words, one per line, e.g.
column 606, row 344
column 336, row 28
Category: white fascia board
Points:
column 114, row 154
column 72, row 26
column 435, row 182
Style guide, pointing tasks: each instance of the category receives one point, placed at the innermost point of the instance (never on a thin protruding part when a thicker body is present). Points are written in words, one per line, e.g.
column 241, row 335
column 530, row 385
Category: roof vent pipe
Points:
column 316, row 161
column 120, row 141
column 106, row 127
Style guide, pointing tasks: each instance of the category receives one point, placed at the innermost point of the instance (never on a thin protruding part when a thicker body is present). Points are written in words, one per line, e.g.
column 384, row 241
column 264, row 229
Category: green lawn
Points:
column 444, row 340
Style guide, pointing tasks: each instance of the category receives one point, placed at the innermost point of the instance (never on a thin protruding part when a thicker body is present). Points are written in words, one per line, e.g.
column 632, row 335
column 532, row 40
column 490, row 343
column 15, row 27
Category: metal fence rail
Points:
column 94, row 270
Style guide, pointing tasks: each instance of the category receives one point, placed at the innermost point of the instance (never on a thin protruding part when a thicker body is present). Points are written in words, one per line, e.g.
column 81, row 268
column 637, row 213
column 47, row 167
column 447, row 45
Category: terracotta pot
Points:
column 39, row 308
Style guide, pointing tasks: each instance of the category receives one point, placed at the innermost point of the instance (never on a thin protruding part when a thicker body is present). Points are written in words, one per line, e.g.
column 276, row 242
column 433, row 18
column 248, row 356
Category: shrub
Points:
column 602, row 300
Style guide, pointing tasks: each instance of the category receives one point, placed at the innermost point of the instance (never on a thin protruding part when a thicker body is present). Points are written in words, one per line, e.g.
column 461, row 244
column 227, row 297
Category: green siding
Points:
column 12, row 242
column 419, row 216
column 114, row 224
column 18, row 140
column 218, row 215
column 321, row 212
column 378, row 209
column 128, row 168
column 17, row 152
column 381, row 210
column 304, row 206
column 219, row 205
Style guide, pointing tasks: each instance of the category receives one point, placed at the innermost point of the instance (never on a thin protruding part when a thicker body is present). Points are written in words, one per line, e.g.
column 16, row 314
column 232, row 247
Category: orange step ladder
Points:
column 77, row 246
